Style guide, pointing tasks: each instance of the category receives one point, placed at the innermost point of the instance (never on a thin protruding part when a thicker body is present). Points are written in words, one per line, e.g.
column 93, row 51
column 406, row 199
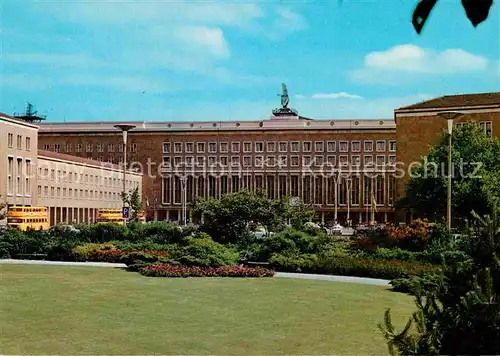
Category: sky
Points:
column 225, row 60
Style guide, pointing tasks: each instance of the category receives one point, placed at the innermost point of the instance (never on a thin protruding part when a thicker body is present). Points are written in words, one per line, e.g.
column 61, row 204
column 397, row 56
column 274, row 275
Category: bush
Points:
column 138, row 259
column 415, row 285
column 202, row 251
column 350, row 266
column 86, row 252
column 183, row 272
column 102, row 233
column 16, row 243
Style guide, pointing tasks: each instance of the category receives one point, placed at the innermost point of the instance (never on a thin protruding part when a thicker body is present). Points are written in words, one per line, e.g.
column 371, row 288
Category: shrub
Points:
column 138, row 259
column 202, row 251
column 16, row 243
column 86, row 252
column 183, row 272
column 350, row 266
column 415, row 285
column 102, row 233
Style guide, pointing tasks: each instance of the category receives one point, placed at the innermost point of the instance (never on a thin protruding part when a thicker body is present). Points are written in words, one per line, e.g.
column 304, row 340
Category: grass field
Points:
column 83, row 310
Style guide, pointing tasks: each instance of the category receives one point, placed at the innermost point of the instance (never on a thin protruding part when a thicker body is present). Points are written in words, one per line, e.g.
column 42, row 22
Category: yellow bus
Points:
column 28, row 217
column 108, row 215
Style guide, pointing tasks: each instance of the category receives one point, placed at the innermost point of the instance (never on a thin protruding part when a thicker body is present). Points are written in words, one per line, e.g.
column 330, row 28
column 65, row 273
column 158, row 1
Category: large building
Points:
column 342, row 168
column 73, row 188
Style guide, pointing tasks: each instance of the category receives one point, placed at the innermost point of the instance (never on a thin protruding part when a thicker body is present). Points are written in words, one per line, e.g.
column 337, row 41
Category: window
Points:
column 368, row 146
column 318, row 161
column 223, row 161
column 282, row 161
column 331, row 146
column 343, row 146
column 200, row 161
column 212, row 147
column 295, row 146
column 58, row 194
column 177, row 161
column 212, row 160
column 68, row 148
column 57, row 147
column 319, row 146
column 200, row 147
column 166, row 147
column 27, row 178
column 46, row 147
column 271, row 147
column 235, row 160
column 343, row 161
column 247, row 161
column 258, row 161
column 307, row 146
column 11, row 140
column 460, row 124
column 52, row 191
column 19, row 142
column 133, row 147
column 392, row 160
column 89, row 147
column 247, row 147
column 487, row 127
column 368, row 161
column 79, row 147
column 283, row 146
column 235, row 147
column 99, row 147
column 166, row 160
column 355, row 146
column 28, row 144
column 46, row 191
column 380, row 146
column 294, row 161
column 331, row 160
column 270, row 161
column 392, row 146
column 259, row 146
column 10, row 170
column 306, row 160
column 189, row 147
column 224, row 147
column 380, row 160
column 355, row 160
column 39, row 190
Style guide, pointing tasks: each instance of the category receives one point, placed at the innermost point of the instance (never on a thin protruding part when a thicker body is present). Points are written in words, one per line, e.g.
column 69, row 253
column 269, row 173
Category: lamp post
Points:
column 125, row 128
column 348, row 189
column 449, row 116
column 183, row 180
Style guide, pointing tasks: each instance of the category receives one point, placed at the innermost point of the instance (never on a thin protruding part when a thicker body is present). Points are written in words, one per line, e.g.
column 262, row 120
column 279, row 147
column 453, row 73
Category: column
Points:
column 322, row 217
column 168, row 215
column 155, row 217
column 385, row 217
column 360, row 217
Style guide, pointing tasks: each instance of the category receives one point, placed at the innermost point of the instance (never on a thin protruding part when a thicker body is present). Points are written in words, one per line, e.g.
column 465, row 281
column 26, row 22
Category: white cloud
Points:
column 300, row 96
column 387, row 66
column 205, row 39
column 341, row 95
column 286, row 22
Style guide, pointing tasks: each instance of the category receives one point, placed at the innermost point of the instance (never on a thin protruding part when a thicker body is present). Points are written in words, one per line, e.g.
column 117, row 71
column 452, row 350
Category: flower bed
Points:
column 183, row 272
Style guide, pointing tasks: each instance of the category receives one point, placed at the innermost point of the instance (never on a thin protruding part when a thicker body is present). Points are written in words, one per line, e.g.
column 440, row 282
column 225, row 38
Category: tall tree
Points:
column 133, row 199
column 475, row 178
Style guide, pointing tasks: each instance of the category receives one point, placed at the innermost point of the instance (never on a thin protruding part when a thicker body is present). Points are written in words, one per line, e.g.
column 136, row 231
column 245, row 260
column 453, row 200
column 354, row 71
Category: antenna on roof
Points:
column 30, row 115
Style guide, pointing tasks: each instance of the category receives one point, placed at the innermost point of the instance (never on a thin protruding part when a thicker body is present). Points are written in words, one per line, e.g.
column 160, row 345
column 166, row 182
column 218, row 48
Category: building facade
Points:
column 420, row 125
column 341, row 168
column 73, row 188
column 18, row 157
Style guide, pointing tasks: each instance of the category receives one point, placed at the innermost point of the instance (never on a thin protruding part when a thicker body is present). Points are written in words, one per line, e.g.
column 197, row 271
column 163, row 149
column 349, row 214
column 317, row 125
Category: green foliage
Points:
column 460, row 313
column 101, row 233
column 84, row 252
column 416, row 285
column 231, row 218
column 133, row 199
column 472, row 190
column 202, row 251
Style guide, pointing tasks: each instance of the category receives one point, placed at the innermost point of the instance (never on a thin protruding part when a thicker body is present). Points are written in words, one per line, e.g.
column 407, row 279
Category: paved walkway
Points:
column 319, row 277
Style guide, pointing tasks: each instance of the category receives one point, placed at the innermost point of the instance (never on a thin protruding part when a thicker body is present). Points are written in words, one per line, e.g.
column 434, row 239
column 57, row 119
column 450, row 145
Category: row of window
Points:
column 19, row 142
column 279, row 161
column 89, row 147
column 487, row 127
column 73, row 177
column 77, row 193
column 18, row 176
column 354, row 191
column 282, row 146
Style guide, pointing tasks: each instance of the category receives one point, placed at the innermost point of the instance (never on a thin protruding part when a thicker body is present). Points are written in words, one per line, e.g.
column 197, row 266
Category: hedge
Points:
column 183, row 272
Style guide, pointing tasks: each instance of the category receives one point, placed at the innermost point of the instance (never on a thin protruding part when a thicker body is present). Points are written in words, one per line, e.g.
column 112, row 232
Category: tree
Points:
column 233, row 217
column 476, row 10
column 461, row 315
column 133, row 199
column 3, row 208
column 475, row 179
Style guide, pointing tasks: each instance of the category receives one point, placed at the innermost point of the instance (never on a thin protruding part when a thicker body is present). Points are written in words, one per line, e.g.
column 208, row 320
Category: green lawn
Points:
column 82, row 310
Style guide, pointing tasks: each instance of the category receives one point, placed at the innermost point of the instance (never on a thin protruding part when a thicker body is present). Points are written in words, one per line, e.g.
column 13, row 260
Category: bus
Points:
column 109, row 215
column 28, row 217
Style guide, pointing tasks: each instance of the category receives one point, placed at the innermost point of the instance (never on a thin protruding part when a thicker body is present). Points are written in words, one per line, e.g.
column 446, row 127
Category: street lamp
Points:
column 449, row 116
column 125, row 128
column 183, row 180
column 348, row 189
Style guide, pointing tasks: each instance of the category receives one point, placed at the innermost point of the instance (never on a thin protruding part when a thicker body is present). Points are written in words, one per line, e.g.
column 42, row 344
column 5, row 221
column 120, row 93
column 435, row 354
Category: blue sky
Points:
column 207, row 60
